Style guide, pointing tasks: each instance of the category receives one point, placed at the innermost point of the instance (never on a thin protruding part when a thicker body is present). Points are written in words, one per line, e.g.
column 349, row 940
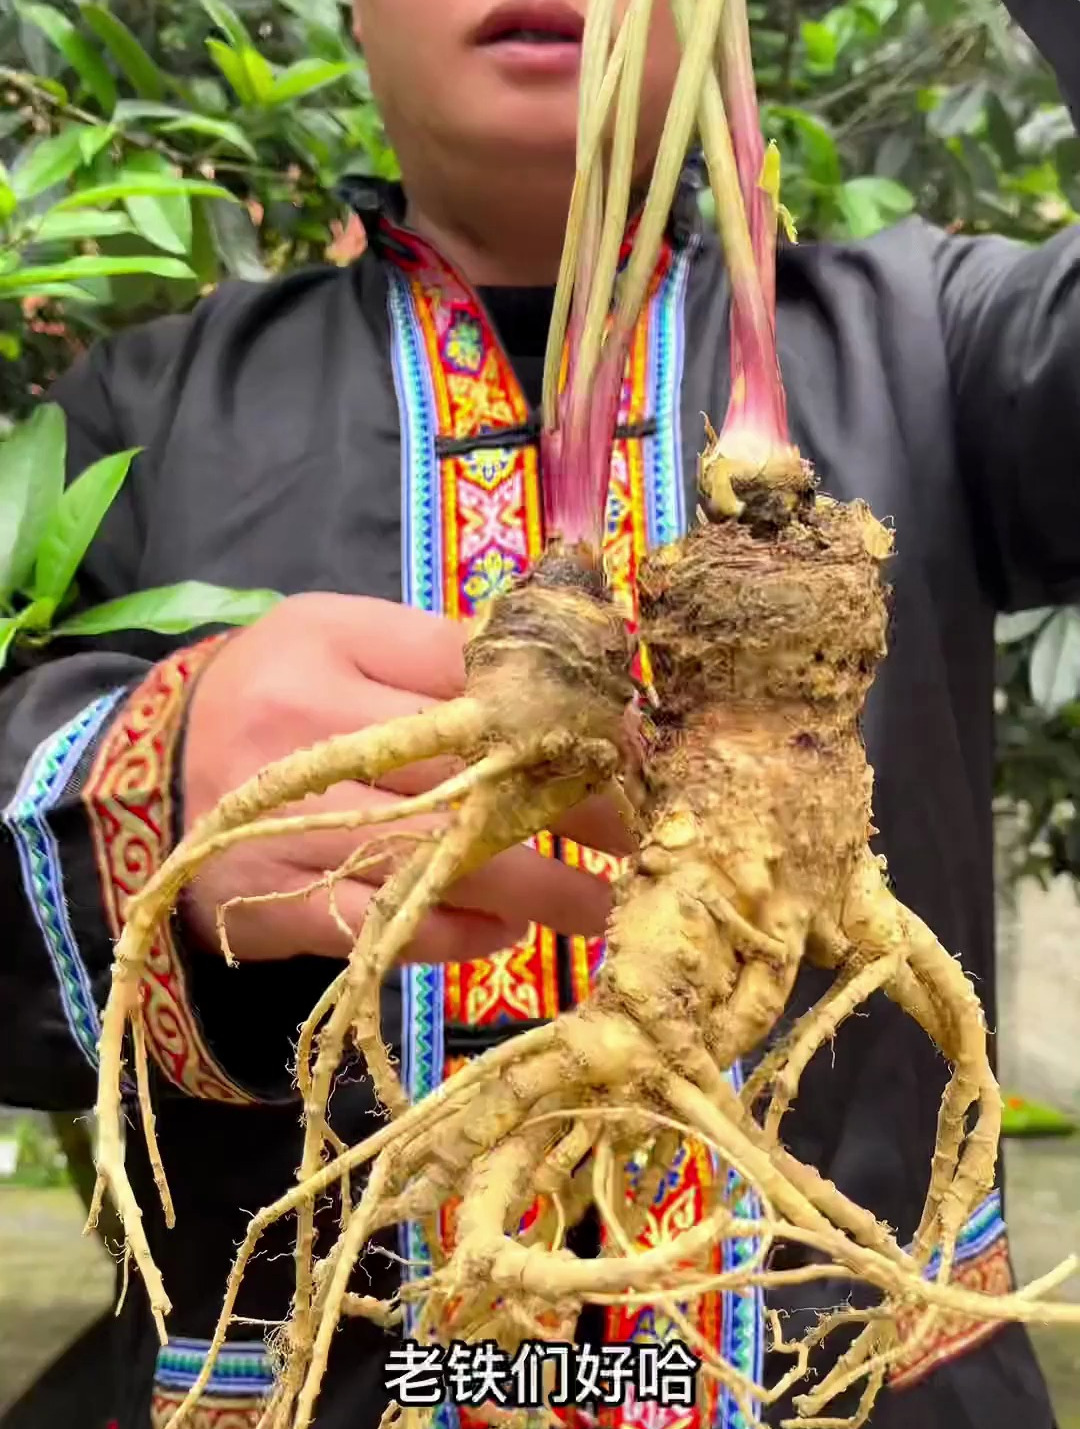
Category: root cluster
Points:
column 753, row 817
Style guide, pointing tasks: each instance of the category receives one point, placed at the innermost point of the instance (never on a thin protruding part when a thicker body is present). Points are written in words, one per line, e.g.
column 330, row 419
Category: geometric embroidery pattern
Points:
column 981, row 1264
column 129, row 803
column 43, row 783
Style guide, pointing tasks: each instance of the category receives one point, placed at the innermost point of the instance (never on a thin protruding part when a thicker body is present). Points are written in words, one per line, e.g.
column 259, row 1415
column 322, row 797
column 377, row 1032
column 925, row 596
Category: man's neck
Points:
column 495, row 235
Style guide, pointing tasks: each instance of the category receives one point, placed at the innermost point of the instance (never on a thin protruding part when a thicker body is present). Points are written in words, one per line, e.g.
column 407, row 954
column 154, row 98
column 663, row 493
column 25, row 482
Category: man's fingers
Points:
column 446, row 935
column 400, row 646
column 522, row 884
column 383, row 703
column 597, row 823
column 518, row 886
column 320, row 850
column 287, row 927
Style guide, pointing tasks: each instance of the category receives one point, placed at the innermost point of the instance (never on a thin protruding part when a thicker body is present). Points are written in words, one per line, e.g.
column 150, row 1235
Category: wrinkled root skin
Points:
column 754, row 812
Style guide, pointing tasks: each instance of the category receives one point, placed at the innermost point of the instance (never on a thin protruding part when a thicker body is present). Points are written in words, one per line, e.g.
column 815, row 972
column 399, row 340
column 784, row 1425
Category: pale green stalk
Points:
column 620, row 180
column 699, row 45
column 599, row 77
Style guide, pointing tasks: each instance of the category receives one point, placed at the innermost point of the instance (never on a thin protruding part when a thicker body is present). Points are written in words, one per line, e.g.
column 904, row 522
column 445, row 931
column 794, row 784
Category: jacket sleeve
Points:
column 1011, row 320
column 1054, row 29
column 87, row 788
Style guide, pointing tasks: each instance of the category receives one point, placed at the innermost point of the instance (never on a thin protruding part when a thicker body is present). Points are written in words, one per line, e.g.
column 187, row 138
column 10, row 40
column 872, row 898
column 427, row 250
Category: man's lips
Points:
column 541, row 23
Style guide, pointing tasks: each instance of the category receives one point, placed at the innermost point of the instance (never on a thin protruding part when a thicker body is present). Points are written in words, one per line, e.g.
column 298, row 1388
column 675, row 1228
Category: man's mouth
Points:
column 544, row 22
column 530, row 37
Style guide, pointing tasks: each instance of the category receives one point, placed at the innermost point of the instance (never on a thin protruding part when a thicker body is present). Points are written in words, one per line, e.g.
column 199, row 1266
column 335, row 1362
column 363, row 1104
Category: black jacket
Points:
column 936, row 377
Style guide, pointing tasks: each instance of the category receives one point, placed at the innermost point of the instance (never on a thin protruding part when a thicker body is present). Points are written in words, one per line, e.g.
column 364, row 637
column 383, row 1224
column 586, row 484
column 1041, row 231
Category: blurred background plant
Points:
column 153, row 148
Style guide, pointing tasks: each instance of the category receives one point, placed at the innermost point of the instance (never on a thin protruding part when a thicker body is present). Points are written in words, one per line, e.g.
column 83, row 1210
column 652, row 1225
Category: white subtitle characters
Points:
column 539, row 1374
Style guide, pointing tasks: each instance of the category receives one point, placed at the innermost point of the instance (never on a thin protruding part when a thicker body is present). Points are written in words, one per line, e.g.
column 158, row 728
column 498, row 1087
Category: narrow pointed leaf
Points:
column 83, row 223
column 236, row 241
column 1011, row 628
column 132, row 60
column 32, row 462
column 74, row 269
column 1055, row 663
column 172, row 610
column 8, row 631
column 222, row 129
column 227, row 21
column 305, row 77
column 129, row 184
column 249, row 74
column 49, row 163
column 72, row 524
column 163, row 220
column 76, row 49
column 174, row 120
column 66, row 291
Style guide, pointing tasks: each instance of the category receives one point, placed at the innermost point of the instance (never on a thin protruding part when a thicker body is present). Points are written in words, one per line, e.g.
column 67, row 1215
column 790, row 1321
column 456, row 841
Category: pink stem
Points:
column 758, row 397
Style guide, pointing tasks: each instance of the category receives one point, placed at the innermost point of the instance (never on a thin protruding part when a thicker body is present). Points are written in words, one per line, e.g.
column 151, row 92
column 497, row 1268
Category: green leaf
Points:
column 249, row 74
column 92, row 267
column 816, row 143
column 8, row 201
column 960, row 111
column 10, row 346
column 72, row 524
column 178, row 121
column 237, row 241
column 304, row 77
column 145, row 78
column 49, row 163
column 1022, row 1118
column 79, row 53
column 820, row 44
column 128, row 184
column 1055, row 663
column 222, row 129
column 872, row 203
column 326, row 14
column 165, row 220
column 68, row 292
column 8, row 630
column 32, row 463
column 228, row 22
column 94, row 140
column 172, row 610
column 83, row 223
column 1010, row 629
column 34, row 619
column 1001, row 132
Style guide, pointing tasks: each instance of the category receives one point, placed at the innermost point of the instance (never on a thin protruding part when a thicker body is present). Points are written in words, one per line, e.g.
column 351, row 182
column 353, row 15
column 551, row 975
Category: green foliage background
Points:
column 212, row 136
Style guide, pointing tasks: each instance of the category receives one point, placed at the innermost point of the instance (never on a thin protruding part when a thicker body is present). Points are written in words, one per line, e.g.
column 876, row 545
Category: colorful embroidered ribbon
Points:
column 471, row 522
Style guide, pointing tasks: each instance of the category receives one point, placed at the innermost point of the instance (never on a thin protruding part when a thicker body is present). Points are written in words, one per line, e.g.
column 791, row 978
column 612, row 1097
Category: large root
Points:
column 755, row 813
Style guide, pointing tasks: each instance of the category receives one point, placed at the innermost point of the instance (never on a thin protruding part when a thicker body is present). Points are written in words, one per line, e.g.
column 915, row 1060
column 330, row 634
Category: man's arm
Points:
column 1011, row 320
column 106, row 759
column 1053, row 26
column 66, row 764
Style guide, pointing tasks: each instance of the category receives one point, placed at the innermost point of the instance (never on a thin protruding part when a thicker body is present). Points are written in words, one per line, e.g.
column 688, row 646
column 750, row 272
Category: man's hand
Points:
column 323, row 665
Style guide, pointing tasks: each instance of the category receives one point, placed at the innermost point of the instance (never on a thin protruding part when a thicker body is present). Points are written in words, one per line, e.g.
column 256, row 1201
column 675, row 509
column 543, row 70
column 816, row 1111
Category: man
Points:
column 369, row 431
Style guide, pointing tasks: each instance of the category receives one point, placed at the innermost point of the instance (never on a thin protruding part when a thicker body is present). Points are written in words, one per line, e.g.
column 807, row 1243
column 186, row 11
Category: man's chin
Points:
column 542, row 142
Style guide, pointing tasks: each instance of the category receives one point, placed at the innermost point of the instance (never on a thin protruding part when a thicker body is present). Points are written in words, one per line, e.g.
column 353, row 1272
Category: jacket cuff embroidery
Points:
column 982, row 1264
column 48, row 775
column 131, row 811
column 234, row 1398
